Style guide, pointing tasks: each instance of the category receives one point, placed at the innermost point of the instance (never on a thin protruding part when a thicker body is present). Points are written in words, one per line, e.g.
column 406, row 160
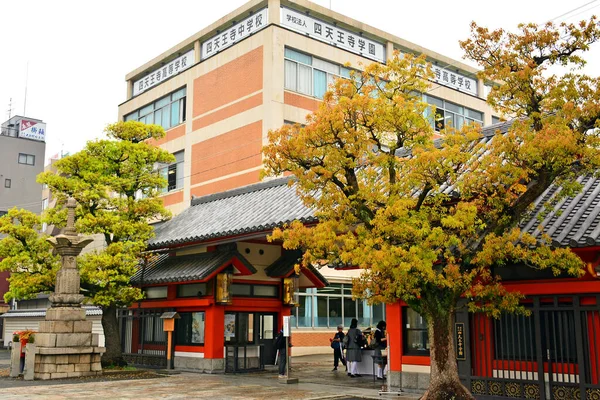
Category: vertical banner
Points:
column 459, row 333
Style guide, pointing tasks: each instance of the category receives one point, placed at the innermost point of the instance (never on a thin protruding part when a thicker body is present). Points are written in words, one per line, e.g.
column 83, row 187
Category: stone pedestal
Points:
column 65, row 346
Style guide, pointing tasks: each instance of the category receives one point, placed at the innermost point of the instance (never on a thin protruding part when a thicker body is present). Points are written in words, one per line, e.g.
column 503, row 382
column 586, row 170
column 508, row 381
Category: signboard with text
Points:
column 454, row 80
column 235, row 33
column 333, row 35
column 32, row 130
column 459, row 330
column 163, row 73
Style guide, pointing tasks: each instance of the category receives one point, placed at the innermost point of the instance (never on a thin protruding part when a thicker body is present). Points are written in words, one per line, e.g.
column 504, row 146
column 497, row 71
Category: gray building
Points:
column 22, row 148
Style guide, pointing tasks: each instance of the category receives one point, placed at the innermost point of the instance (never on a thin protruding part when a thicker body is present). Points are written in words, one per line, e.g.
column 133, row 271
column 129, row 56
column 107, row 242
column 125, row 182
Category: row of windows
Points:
column 448, row 114
column 168, row 111
column 332, row 306
column 206, row 289
column 310, row 75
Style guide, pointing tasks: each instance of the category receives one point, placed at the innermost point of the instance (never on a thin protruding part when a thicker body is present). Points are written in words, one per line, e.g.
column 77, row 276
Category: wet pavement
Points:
column 317, row 381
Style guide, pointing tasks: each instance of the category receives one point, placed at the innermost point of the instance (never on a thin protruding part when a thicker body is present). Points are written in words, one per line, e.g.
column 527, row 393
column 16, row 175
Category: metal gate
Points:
column 552, row 354
column 143, row 341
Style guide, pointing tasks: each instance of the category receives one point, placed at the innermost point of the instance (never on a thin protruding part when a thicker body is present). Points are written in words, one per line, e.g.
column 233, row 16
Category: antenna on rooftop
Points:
column 26, row 79
column 9, row 111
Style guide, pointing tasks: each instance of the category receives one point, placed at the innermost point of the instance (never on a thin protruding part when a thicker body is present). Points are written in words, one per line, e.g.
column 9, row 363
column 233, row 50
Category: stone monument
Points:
column 65, row 345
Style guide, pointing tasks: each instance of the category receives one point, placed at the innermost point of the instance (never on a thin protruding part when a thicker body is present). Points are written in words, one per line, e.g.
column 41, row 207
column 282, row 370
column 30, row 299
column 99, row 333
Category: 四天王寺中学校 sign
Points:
column 235, row 33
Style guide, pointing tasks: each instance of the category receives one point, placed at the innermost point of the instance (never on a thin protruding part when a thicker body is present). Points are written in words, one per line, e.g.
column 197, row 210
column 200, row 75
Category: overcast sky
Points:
column 79, row 52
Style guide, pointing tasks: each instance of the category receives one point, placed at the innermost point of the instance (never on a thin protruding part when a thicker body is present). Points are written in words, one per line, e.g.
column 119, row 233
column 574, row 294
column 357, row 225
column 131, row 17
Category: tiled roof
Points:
column 253, row 208
column 264, row 206
column 285, row 264
column 574, row 221
column 41, row 312
column 194, row 267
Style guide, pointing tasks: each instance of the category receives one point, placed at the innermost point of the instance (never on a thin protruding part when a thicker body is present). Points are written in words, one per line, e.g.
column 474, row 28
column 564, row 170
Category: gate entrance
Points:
column 552, row 354
column 143, row 341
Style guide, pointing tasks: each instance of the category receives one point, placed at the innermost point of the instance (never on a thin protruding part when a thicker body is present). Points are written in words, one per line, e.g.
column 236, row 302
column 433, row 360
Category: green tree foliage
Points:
column 116, row 186
column 427, row 221
column 27, row 255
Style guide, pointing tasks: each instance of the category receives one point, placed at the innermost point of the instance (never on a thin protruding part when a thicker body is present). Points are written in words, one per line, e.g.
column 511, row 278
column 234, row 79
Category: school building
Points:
column 217, row 94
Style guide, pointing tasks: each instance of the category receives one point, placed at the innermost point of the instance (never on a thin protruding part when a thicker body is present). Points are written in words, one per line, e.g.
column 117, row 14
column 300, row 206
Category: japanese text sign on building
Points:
column 163, row 73
column 32, row 130
column 454, row 80
column 333, row 35
column 234, row 34
column 459, row 330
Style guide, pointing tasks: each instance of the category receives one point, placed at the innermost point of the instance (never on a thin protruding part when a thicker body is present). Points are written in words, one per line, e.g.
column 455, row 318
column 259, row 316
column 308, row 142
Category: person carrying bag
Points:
column 337, row 346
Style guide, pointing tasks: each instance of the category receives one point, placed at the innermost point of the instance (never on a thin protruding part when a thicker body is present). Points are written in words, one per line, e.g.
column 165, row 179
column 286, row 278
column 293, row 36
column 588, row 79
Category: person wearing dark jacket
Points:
column 337, row 345
column 282, row 351
column 380, row 344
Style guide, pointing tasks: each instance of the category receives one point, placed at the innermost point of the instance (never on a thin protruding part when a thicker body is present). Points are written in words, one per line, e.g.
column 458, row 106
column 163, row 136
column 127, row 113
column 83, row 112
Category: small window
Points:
column 156, row 292
column 416, row 339
column 241, row 290
column 26, row 159
column 192, row 290
column 2, row 213
column 189, row 329
column 7, row 183
column 265, row 291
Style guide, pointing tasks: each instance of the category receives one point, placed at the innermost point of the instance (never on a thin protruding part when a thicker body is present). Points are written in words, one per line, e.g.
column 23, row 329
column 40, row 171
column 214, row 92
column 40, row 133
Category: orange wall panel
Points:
column 227, row 184
column 171, row 134
column 228, row 153
column 300, row 101
column 173, row 198
column 237, row 78
column 228, row 111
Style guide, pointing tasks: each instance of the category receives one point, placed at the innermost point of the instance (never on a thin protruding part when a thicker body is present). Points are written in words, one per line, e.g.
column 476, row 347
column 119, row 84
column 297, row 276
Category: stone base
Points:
column 62, row 362
column 206, row 365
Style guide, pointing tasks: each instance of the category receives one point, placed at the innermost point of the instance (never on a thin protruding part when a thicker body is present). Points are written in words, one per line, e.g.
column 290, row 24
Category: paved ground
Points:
column 316, row 382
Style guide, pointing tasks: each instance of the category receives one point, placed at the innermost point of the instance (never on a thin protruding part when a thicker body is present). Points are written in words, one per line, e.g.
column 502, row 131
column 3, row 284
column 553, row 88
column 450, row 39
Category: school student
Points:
column 337, row 346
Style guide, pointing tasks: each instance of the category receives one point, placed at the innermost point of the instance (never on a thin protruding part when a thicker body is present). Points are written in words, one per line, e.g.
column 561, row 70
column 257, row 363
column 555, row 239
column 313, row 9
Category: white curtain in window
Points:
column 326, row 66
column 304, row 79
column 291, row 73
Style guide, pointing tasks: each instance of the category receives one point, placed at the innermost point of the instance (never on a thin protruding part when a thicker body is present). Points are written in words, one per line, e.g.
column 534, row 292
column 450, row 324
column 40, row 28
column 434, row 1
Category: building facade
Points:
column 219, row 92
column 22, row 148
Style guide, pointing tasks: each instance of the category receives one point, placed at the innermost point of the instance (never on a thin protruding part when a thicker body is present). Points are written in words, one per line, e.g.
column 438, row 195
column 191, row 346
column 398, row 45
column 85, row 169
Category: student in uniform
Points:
column 380, row 344
column 337, row 346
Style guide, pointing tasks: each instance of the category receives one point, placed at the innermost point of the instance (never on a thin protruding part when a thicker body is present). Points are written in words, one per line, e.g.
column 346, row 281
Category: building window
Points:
column 156, row 292
column 239, row 328
column 26, row 159
column 167, row 112
column 173, row 173
column 495, row 120
column 189, row 328
column 416, row 339
column 310, row 75
column 152, row 328
column 192, row 290
column 7, row 183
column 245, row 290
column 2, row 213
column 333, row 305
column 450, row 115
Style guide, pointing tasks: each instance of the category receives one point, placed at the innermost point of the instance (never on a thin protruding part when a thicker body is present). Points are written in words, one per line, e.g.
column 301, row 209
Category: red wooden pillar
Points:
column 393, row 316
column 214, row 336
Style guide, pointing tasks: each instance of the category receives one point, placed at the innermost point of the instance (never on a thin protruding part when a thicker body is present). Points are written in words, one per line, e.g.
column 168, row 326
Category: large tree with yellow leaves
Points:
column 427, row 221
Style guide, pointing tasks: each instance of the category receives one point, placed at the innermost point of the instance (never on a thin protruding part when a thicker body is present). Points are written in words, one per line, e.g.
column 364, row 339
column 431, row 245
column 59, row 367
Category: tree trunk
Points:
column 112, row 337
column 444, row 382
